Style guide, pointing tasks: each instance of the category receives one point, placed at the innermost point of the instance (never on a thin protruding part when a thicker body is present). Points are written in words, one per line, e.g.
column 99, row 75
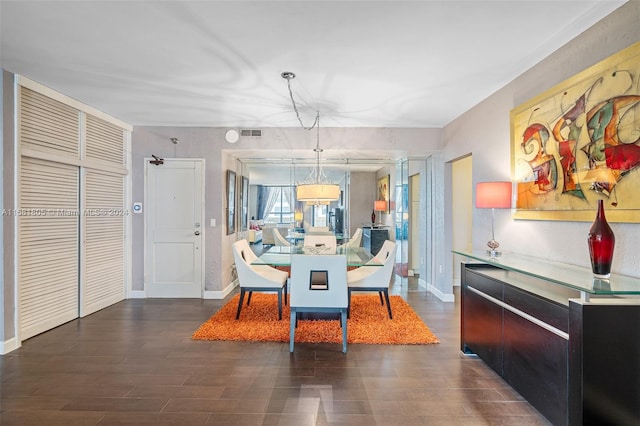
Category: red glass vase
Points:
column 601, row 242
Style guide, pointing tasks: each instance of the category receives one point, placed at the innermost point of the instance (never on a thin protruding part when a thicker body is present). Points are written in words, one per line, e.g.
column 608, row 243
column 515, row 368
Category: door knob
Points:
column 196, row 233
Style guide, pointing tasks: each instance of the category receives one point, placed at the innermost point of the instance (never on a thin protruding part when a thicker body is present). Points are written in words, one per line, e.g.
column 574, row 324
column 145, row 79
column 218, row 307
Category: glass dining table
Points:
column 280, row 256
column 297, row 237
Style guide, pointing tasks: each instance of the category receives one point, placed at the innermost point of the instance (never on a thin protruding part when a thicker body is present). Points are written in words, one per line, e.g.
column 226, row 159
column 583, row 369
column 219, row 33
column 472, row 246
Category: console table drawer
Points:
column 483, row 283
column 546, row 311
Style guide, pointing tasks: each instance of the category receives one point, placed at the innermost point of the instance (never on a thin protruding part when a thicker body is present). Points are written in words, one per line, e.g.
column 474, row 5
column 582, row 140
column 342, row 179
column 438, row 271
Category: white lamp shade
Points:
column 317, row 192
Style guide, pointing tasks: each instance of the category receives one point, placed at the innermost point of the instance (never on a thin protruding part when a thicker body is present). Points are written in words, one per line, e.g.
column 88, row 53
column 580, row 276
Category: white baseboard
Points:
column 9, row 345
column 141, row 294
column 422, row 283
column 449, row 298
column 222, row 293
column 137, row 294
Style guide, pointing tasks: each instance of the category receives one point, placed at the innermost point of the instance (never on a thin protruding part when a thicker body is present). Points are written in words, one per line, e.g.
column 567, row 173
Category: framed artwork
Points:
column 579, row 142
column 244, row 204
column 384, row 191
column 231, row 202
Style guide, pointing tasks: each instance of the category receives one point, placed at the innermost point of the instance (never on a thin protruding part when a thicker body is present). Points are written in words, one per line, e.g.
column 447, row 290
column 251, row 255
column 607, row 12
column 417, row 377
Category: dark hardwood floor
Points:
column 134, row 363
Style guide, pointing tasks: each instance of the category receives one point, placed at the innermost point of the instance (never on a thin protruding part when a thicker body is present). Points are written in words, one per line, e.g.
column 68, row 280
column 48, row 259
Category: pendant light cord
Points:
column 288, row 76
column 319, row 177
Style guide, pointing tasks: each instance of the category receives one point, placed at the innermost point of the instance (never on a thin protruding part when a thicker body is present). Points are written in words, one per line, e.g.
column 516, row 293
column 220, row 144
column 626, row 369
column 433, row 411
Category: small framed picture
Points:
column 231, row 202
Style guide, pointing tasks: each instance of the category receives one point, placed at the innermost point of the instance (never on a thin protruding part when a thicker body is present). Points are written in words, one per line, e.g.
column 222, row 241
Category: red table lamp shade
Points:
column 380, row 205
column 493, row 195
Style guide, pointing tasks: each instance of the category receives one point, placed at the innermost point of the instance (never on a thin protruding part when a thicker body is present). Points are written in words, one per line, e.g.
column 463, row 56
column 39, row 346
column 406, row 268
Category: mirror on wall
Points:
column 272, row 193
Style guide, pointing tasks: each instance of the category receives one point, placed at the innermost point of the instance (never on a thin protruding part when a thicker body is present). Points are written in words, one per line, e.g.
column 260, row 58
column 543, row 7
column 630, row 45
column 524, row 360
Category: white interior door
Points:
column 174, row 229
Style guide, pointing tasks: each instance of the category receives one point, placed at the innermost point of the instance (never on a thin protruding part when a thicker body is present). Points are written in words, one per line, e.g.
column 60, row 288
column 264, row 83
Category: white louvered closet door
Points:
column 103, row 228
column 103, row 247
column 48, row 245
column 48, row 209
column 71, row 229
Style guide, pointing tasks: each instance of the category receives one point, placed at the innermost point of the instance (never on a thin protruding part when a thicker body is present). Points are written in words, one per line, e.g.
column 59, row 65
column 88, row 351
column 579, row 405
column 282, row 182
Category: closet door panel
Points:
column 48, row 245
column 103, row 248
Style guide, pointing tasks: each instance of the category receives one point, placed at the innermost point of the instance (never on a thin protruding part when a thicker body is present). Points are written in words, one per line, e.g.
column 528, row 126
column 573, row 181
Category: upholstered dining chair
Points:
column 327, row 241
column 355, row 239
column 257, row 277
column 375, row 278
column 318, row 284
column 279, row 239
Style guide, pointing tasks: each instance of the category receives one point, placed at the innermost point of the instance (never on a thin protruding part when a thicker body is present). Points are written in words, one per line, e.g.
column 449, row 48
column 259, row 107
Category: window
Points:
column 281, row 212
column 320, row 215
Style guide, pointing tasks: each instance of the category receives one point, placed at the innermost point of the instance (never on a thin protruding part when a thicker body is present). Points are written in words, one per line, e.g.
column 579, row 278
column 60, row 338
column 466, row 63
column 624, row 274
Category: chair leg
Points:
column 240, row 303
column 349, row 305
column 249, row 298
column 381, row 301
column 343, row 318
column 286, row 284
column 386, row 296
column 280, row 305
column 292, row 329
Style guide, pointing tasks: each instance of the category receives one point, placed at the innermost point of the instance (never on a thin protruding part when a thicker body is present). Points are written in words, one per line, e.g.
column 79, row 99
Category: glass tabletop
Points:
column 281, row 255
column 299, row 236
column 571, row 276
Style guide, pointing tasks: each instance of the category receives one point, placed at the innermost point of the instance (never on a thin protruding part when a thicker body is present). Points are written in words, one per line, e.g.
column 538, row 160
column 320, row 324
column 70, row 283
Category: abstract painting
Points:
column 384, row 192
column 579, row 142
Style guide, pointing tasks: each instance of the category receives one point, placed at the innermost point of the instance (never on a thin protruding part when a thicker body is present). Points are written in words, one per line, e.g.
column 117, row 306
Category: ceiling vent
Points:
column 251, row 132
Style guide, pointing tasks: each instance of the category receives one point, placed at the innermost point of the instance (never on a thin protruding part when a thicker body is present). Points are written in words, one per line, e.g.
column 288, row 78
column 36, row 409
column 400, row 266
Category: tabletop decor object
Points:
column 379, row 206
column 493, row 195
column 601, row 241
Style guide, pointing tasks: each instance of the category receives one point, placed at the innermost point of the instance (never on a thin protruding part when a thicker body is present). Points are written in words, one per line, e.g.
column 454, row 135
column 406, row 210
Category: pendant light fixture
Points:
column 317, row 188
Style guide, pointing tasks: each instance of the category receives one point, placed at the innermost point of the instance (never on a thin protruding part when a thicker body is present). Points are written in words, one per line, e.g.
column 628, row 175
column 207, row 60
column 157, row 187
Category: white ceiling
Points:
column 218, row 63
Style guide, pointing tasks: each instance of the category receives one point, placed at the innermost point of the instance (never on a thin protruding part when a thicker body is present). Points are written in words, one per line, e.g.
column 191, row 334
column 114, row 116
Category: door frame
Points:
column 202, row 209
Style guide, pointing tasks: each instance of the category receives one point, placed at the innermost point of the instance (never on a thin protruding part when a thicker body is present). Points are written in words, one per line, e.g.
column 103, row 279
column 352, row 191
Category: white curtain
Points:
column 289, row 196
column 267, row 198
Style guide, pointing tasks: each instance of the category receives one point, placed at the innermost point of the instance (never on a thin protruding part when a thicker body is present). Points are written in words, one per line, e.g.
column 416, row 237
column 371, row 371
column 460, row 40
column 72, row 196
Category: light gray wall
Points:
column 208, row 143
column 362, row 195
column 462, row 210
column 194, row 143
column 419, row 167
column 7, row 293
column 484, row 131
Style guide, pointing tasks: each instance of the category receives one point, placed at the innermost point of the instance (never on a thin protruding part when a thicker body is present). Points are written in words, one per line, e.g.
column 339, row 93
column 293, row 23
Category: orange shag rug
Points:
column 369, row 323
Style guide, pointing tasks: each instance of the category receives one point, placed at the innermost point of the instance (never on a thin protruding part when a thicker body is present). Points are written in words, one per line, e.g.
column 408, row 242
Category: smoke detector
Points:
column 232, row 136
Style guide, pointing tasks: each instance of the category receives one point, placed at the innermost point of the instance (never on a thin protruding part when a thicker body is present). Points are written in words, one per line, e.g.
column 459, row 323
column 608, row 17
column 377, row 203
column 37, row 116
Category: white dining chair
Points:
column 375, row 278
column 318, row 283
column 313, row 229
column 355, row 239
column 279, row 239
column 326, row 241
column 257, row 277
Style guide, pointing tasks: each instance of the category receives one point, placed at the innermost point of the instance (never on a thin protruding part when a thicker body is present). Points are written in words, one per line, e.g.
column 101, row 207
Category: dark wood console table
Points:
column 374, row 237
column 567, row 342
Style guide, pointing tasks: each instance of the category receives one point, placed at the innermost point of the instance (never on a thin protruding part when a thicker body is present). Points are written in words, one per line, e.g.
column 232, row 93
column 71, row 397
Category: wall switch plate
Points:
column 213, row 222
